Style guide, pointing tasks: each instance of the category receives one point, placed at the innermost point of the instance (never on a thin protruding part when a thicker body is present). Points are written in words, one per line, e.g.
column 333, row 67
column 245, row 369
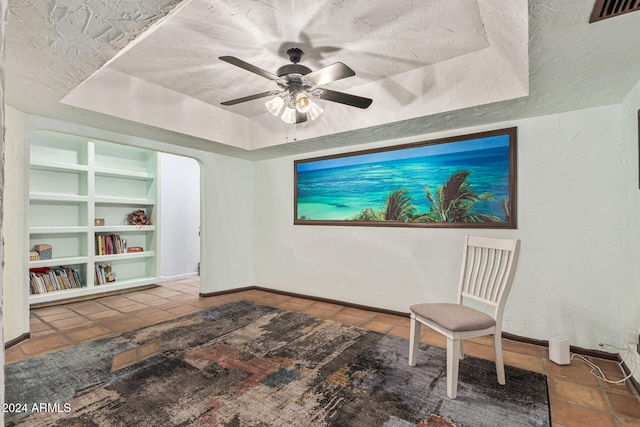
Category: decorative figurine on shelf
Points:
column 138, row 217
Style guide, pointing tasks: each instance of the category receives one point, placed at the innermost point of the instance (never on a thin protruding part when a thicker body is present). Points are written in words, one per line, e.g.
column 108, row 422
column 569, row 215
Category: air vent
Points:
column 604, row 9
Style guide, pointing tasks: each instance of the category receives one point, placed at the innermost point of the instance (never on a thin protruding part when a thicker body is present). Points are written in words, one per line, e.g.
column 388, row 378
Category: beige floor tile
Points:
column 567, row 414
column 87, row 307
column 102, row 314
column 577, row 371
column 183, row 310
column 71, row 323
column 524, row 361
column 85, row 334
column 401, row 331
column 157, row 316
column 578, row 394
column 379, row 325
column 36, row 346
column 628, row 422
column 322, row 309
column 209, row 302
column 58, row 316
column 13, row 355
column 295, row 304
column 123, row 324
column 625, row 405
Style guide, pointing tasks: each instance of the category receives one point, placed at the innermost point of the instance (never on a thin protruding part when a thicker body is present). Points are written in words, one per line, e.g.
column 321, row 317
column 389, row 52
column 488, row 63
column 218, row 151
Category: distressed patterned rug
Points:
column 245, row 364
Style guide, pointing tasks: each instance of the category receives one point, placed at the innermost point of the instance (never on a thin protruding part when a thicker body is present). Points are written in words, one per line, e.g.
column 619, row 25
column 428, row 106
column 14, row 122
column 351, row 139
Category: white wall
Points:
column 3, row 11
column 180, row 216
column 630, row 291
column 574, row 269
column 227, row 205
column 16, row 190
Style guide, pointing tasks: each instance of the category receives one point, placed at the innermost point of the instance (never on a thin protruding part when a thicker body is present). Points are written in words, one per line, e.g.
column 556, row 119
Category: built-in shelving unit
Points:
column 75, row 181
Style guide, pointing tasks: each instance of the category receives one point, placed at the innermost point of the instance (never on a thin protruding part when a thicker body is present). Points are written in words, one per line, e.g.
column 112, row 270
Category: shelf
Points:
column 118, row 201
column 56, row 262
column 52, row 197
column 115, row 157
column 123, row 228
column 58, row 230
column 126, row 284
column 73, row 182
column 58, row 167
column 124, row 174
column 128, row 255
column 53, row 211
column 58, row 148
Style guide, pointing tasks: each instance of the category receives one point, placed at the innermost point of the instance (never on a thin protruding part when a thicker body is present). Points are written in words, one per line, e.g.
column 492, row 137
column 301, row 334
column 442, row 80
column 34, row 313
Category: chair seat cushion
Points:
column 454, row 317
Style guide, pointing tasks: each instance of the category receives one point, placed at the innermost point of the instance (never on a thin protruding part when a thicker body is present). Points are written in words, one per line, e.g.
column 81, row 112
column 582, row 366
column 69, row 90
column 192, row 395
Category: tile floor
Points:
column 577, row 397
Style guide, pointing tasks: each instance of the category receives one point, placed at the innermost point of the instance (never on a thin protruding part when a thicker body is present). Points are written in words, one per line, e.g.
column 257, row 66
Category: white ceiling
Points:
column 151, row 68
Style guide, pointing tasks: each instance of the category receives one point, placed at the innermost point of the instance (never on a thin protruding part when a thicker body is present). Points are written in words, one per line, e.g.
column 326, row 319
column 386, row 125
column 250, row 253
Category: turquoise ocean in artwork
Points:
column 339, row 190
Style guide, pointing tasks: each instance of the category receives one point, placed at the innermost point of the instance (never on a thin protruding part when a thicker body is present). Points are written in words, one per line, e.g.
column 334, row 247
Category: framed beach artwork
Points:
column 464, row 181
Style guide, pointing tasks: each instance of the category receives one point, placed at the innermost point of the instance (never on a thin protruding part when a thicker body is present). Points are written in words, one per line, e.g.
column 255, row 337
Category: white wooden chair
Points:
column 488, row 267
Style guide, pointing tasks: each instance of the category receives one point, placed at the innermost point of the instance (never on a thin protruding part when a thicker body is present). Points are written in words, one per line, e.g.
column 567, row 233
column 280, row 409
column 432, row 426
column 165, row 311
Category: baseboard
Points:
column 309, row 297
column 17, row 340
column 226, row 292
column 334, row 301
column 542, row 343
column 179, row 276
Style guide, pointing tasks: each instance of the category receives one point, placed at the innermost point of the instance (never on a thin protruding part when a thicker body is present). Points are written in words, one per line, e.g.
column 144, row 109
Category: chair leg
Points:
column 453, row 361
column 497, row 347
column 461, row 350
column 414, row 341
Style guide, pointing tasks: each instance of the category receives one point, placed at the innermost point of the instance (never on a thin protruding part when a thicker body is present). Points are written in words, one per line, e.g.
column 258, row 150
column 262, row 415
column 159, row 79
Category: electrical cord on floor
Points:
column 597, row 372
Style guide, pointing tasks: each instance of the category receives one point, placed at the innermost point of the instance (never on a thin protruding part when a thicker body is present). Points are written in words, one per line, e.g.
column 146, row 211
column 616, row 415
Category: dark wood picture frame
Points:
column 466, row 181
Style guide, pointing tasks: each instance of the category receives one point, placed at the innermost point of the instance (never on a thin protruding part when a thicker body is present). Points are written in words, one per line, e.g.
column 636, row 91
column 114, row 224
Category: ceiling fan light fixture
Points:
column 303, row 103
column 289, row 115
column 314, row 110
column 275, row 105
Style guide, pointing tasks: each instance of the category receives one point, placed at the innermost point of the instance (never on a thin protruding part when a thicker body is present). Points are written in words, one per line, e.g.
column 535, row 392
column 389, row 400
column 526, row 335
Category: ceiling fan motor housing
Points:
column 295, row 54
column 293, row 69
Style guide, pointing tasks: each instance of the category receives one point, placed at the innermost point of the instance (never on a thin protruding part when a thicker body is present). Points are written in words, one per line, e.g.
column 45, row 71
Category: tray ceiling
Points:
column 151, row 68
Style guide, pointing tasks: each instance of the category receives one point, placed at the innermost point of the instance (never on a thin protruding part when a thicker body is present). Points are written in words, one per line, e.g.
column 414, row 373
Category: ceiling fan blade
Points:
column 247, row 98
column 330, row 73
column 249, row 67
column 342, row 98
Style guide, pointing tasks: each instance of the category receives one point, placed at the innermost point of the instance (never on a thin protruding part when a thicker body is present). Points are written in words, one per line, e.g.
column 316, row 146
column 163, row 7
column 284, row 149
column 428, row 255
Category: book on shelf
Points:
column 110, row 244
column 44, row 251
column 104, row 274
column 135, row 249
column 51, row 279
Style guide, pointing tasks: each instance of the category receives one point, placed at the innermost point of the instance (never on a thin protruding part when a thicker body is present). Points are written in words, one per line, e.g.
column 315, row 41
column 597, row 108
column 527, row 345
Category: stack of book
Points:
column 44, row 251
column 104, row 274
column 43, row 280
column 110, row 244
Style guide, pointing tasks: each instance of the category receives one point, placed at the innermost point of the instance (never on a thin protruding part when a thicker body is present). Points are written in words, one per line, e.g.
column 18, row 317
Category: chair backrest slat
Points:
column 487, row 270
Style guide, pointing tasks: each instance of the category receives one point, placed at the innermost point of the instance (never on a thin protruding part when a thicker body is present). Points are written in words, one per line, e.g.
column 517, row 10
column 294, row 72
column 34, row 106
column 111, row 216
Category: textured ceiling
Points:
column 377, row 39
column 150, row 68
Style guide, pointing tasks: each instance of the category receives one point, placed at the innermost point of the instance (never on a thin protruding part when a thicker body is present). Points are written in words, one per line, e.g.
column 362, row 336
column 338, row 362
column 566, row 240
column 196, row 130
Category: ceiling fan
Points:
column 297, row 86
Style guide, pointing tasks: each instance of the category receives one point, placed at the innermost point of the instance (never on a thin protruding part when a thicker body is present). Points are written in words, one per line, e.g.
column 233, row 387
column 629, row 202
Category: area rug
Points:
column 245, row 364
